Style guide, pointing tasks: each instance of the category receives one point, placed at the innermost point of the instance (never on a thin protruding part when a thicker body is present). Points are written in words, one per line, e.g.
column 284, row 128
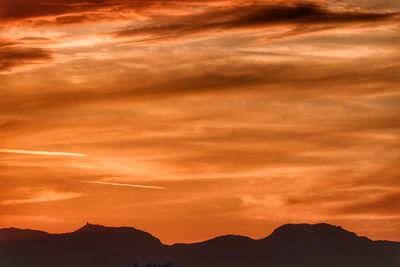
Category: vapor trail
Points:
column 126, row 185
column 42, row 153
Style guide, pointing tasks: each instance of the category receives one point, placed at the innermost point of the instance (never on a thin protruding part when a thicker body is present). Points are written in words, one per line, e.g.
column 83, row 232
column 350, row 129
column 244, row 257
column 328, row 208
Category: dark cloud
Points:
column 79, row 18
column 27, row 9
column 354, row 192
column 13, row 55
column 382, row 204
column 255, row 16
column 23, row 9
column 216, row 14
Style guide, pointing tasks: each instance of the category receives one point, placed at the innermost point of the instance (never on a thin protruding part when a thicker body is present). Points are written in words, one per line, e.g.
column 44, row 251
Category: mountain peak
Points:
column 98, row 229
column 88, row 227
column 309, row 227
column 321, row 231
column 130, row 235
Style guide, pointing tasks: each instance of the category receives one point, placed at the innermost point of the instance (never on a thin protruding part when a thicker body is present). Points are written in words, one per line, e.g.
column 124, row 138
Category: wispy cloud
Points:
column 42, row 153
column 44, row 195
column 126, row 185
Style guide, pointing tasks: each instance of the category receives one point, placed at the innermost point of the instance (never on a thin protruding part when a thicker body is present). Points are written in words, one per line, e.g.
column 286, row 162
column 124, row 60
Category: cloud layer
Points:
column 251, row 114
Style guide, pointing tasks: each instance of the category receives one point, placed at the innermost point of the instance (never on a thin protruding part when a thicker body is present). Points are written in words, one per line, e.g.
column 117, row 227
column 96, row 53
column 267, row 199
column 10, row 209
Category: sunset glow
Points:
column 196, row 118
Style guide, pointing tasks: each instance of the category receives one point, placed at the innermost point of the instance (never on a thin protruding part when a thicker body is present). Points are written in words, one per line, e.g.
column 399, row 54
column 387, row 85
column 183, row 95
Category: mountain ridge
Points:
column 95, row 227
column 288, row 245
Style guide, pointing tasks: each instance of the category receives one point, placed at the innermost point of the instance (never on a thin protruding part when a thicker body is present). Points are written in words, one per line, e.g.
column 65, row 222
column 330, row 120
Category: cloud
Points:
column 13, row 55
column 13, row 10
column 235, row 74
column 352, row 193
column 29, row 195
column 172, row 18
column 386, row 203
column 376, row 3
column 125, row 185
column 305, row 17
column 41, row 153
column 22, row 9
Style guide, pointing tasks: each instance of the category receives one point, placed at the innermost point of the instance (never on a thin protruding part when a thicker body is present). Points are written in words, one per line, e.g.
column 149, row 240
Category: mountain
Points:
column 91, row 245
column 8, row 235
column 291, row 245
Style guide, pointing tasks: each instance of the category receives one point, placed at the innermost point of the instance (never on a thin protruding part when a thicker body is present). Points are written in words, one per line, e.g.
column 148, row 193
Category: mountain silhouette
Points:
column 14, row 234
column 297, row 245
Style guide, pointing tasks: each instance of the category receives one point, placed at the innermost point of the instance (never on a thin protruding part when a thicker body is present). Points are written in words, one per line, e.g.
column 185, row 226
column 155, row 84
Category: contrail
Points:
column 42, row 153
column 126, row 185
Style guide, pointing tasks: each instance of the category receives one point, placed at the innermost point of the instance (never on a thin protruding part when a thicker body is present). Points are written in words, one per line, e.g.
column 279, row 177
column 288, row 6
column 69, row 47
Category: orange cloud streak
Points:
column 125, row 185
column 41, row 153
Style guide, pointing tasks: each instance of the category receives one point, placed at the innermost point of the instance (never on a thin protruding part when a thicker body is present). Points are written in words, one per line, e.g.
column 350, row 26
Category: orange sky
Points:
column 195, row 118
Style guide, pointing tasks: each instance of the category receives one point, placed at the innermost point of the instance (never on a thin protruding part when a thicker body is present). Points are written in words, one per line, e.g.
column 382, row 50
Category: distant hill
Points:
column 297, row 245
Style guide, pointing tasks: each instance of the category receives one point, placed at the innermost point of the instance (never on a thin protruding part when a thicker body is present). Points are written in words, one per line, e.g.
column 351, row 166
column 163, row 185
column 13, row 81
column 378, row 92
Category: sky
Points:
column 196, row 118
